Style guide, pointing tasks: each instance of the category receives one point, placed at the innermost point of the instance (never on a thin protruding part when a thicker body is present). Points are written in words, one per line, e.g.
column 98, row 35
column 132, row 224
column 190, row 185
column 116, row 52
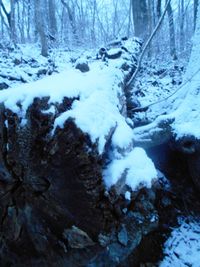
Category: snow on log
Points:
column 57, row 137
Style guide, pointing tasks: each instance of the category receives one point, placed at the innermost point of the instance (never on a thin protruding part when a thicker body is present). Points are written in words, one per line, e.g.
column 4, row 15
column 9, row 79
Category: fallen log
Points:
column 56, row 139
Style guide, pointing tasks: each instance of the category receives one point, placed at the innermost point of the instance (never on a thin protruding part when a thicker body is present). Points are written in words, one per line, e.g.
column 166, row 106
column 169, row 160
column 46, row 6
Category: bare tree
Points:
column 140, row 18
column 158, row 8
column 145, row 47
column 93, row 9
column 95, row 22
column 196, row 2
column 182, row 16
column 150, row 24
column 10, row 18
column 171, row 31
column 3, row 22
column 40, row 25
column 71, row 17
column 52, row 18
column 28, row 19
column 12, row 21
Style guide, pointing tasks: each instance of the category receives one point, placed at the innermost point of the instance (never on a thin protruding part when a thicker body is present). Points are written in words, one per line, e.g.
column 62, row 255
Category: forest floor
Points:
column 153, row 84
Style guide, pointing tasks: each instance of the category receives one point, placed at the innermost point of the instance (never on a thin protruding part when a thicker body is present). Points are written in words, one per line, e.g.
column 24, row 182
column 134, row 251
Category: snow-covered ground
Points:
column 25, row 63
column 154, row 84
column 182, row 249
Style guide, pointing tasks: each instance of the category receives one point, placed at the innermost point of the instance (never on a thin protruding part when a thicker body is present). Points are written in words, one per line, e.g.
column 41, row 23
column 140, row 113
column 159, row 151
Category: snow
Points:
column 183, row 246
column 97, row 110
column 183, row 105
column 99, row 93
column 94, row 117
column 188, row 112
column 179, row 104
column 128, row 195
column 26, row 63
column 123, row 134
column 136, row 167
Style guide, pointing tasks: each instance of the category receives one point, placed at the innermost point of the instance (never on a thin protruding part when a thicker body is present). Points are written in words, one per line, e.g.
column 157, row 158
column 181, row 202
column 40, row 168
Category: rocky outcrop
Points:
column 189, row 146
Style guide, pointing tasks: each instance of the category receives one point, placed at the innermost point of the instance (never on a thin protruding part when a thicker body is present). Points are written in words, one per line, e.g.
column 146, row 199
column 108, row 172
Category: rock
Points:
column 189, row 146
column 77, row 238
column 166, row 201
column 42, row 72
column 82, row 66
column 34, row 63
column 114, row 55
column 3, row 85
column 123, row 236
column 17, row 61
column 125, row 66
column 104, row 240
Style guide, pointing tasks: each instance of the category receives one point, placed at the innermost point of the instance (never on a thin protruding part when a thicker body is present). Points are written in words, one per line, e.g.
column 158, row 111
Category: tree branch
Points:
column 147, row 44
column 5, row 11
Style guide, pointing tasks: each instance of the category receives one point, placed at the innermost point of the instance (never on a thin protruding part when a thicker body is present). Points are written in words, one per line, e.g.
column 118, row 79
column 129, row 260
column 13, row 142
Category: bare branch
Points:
column 128, row 84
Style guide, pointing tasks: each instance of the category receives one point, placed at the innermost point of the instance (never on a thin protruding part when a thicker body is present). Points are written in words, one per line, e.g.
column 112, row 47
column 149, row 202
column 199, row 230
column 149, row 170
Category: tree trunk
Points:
column 52, row 18
column 150, row 25
column 196, row 2
column 71, row 19
column 140, row 18
column 40, row 26
column 158, row 8
column 171, row 32
column 28, row 20
column 20, row 21
column 12, row 21
column 182, row 36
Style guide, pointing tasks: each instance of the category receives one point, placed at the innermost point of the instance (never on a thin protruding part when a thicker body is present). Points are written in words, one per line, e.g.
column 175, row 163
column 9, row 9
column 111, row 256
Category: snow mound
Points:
column 100, row 98
column 186, row 101
column 136, row 167
column 188, row 114
column 183, row 247
column 97, row 110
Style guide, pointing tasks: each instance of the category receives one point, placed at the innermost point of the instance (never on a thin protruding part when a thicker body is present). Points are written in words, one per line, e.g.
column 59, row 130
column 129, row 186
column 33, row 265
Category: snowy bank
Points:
column 182, row 248
column 138, row 169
